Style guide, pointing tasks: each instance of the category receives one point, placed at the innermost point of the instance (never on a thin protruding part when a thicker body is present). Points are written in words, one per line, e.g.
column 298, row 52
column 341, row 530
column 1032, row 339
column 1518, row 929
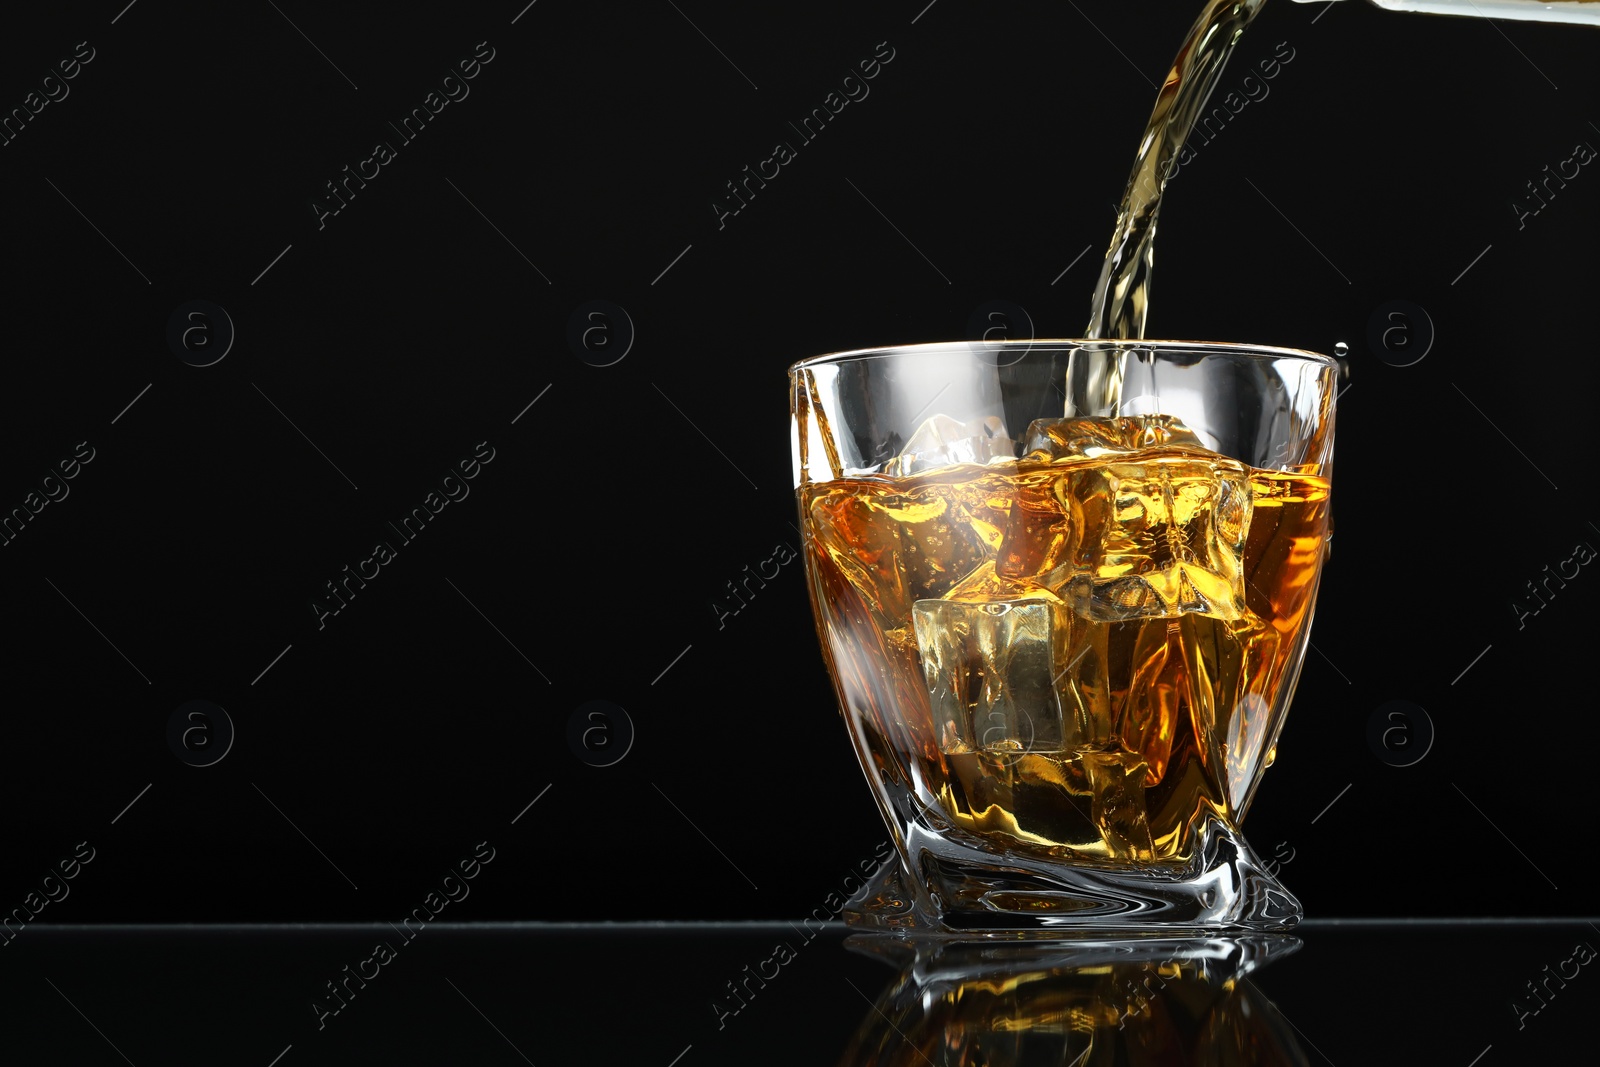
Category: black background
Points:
column 376, row 351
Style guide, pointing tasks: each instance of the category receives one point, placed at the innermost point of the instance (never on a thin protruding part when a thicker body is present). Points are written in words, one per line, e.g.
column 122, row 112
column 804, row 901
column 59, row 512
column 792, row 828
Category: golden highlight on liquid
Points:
column 1079, row 651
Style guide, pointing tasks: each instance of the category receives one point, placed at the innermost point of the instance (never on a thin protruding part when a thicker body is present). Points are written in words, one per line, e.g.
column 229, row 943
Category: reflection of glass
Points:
column 1129, row 1003
column 1064, row 614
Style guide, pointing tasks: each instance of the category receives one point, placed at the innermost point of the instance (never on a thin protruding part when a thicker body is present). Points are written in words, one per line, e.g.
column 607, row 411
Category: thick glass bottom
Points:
column 949, row 888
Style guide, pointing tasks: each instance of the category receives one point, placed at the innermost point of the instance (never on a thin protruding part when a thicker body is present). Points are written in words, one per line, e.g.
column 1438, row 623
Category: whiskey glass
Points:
column 1063, row 590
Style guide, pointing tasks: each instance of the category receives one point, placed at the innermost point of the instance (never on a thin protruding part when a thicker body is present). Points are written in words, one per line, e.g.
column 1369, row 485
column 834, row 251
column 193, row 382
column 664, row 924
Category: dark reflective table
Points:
column 1486, row 993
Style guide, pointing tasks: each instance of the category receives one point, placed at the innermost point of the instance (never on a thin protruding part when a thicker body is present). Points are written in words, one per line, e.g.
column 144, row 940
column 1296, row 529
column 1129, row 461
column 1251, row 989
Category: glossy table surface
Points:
column 1452, row 992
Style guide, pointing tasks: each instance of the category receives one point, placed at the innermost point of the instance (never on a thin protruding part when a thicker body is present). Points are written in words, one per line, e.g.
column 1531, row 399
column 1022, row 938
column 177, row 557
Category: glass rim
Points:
column 1234, row 348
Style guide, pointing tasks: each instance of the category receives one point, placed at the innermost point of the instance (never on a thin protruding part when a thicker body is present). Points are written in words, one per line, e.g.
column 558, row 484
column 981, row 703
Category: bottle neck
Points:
column 1576, row 12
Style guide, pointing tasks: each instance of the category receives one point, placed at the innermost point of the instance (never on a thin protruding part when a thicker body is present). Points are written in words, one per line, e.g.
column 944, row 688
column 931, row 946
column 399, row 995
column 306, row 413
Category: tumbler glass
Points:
column 1063, row 590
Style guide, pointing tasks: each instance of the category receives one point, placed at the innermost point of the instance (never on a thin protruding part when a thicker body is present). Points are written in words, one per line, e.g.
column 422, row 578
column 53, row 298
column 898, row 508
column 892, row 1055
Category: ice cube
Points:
column 942, row 441
column 944, row 529
column 988, row 665
column 1147, row 720
column 1123, row 685
column 1117, row 780
column 852, row 541
column 1053, row 439
column 985, row 583
column 899, row 542
column 1037, row 544
column 1034, row 545
column 1157, row 536
column 1231, row 667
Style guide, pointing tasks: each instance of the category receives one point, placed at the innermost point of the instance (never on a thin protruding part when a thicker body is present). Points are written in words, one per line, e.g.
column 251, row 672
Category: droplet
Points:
column 1341, row 349
column 1272, row 757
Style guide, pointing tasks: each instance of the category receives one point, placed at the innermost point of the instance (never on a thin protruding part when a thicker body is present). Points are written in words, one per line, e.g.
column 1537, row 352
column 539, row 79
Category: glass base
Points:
column 970, row 893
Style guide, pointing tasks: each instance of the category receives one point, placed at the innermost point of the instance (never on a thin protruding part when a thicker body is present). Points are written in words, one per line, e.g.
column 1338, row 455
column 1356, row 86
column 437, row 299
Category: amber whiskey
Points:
column 1077, row 651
